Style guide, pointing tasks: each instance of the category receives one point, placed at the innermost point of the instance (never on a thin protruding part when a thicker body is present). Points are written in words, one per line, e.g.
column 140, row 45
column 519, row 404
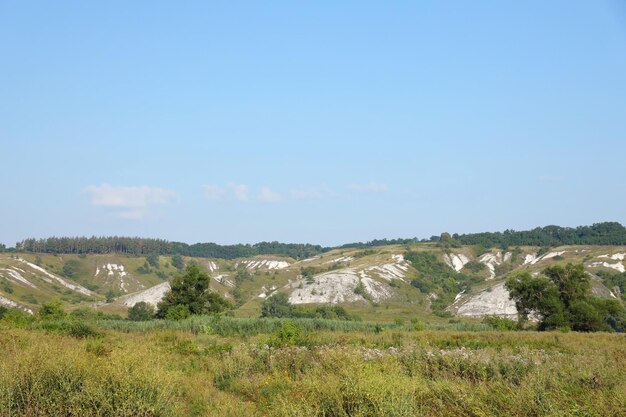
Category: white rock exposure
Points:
column 344, row 259
column 112, row 270
column 388, row 271
column 16, row 276
column 151, row 296
column 49, row 278
column 532, row 259
column 490, row 302
column 492, row 260
column 615, row 257
column 11, row 304
column 223, row 279
column 617, row 266
column 263, row 263
column 456, row 261
column 331, row 287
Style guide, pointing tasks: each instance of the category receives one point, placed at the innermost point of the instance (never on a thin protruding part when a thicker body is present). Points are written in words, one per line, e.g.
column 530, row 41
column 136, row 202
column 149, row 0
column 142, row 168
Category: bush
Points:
column 141, row 311
column 277, row 305
column 177, row 262
column 191, row 290
column 178, row 312
column 15, row 317
column 51, row 311
column 500, row 323
column 288, row 334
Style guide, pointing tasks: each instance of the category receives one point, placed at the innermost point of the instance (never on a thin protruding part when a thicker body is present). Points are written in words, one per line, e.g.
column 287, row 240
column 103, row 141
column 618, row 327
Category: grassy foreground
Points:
column 291, row 370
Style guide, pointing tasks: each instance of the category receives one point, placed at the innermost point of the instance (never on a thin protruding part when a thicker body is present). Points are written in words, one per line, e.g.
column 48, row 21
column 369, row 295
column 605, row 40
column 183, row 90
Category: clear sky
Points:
column 324, row 122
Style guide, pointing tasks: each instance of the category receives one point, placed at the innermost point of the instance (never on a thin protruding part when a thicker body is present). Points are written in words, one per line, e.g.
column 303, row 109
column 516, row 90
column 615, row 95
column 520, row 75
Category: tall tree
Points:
column 191, row 289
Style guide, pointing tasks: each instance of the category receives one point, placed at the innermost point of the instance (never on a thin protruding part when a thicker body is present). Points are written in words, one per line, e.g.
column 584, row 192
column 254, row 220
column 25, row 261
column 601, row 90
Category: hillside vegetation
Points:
column 436, row 282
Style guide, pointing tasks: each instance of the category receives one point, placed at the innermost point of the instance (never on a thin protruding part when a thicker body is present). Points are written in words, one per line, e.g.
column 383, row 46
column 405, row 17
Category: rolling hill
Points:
column 375, row 282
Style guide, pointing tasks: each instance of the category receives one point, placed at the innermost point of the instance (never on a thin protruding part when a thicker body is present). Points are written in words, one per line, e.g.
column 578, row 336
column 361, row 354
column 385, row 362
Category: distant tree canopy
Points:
column 608, row 233
column 190, row 294
column 562, row 297
column 155, row 247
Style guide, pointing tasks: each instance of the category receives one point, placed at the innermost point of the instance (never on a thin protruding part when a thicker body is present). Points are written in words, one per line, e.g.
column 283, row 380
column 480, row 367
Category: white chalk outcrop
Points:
column 51, row 278
column 533, row 258
column 344, row 259
column 263, row 263
column 151, row 296
column 492, row 260
column 332, row 287
column 455, row 261
column 14, row 275
column 12, row 304
column 616, row 266
column 489, row 302
column 223, row 280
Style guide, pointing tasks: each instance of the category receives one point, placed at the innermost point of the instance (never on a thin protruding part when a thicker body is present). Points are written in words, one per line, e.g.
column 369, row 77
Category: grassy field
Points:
column 235, row 367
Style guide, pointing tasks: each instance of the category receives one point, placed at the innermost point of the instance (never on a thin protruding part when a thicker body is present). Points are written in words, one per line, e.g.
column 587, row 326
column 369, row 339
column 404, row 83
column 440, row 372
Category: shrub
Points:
column 51, row 311
column 277, row 305
column 191, row 290
column 288, row 334
column 141, row 311
column 178, row 312
column 500, row 323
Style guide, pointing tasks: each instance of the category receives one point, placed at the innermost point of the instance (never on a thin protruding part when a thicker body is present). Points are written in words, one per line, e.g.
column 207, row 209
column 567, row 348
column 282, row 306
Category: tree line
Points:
column 607, row 233
column 142, row 246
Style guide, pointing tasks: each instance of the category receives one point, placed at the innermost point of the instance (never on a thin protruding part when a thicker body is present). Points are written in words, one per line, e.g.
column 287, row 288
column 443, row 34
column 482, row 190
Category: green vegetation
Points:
column 438, row 278
column 152, row 247
column 275, row 367
column 177, row 261
column 562, row 299
column 141, row 311
column 278, row 306
column 190, row 294
column 608, row 233
column 615, row 282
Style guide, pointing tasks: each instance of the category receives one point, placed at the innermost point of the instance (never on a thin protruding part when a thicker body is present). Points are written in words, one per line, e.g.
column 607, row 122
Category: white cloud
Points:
column 214, row 192
column 130, row 202
column 372, row 187
column 313, row 193
column 266, row 195
column 240, row 191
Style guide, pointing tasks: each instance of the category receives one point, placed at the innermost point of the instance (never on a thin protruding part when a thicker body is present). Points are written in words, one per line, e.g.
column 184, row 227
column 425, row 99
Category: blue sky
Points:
column 322, row 122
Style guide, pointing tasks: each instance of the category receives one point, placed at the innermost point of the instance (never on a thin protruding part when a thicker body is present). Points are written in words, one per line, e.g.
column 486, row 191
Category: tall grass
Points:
column 232, row 326
column 280, row 368
column 60, row 376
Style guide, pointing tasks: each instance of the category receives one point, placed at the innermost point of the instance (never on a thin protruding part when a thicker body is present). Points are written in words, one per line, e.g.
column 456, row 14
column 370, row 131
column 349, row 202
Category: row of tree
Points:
column 607, row 233
column 141, row 246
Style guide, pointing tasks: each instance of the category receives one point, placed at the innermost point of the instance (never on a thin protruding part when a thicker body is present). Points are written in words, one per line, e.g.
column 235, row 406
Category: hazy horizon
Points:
column 315, row 123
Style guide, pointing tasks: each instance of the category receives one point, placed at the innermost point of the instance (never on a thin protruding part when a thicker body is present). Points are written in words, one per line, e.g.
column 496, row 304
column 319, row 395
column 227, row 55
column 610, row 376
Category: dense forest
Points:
column 608, row 233
column 141, row 246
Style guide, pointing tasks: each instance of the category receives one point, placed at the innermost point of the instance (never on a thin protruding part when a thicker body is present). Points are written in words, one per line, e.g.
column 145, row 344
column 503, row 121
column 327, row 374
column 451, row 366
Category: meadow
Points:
column 228, row 366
